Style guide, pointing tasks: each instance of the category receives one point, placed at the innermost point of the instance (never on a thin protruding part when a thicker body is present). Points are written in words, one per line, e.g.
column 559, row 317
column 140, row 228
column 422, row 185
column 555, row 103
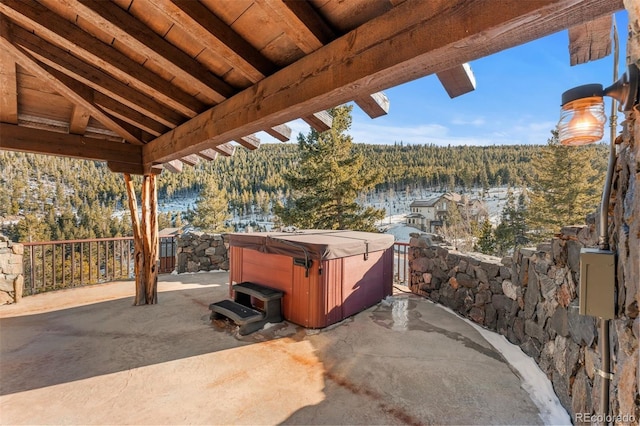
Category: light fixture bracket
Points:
column 625, row 90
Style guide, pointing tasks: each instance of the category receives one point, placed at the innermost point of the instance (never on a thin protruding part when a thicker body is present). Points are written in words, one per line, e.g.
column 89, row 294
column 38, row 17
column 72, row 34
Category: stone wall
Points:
column 531, row 298
column 197, row 251
column 11, row 271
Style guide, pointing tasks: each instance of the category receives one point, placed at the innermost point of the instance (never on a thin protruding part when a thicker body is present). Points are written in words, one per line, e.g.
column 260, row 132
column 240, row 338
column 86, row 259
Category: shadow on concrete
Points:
column 72, row 344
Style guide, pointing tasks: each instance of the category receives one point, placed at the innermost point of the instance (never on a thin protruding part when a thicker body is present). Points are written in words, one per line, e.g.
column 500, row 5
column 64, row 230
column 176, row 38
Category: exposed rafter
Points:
column 590, row 41
column 374, row 105
column 8, row 89
column 457, row 80
column 379, row 54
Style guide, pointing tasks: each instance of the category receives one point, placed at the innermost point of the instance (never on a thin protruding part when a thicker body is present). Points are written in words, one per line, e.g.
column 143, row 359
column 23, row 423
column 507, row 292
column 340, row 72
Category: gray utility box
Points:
column 597, row 283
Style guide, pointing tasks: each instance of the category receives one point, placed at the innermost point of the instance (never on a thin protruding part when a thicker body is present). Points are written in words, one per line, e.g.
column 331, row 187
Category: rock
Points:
column 591, row 362
column 581, row 393
column 501, row 302
column 426, row 277
column 563, row 295
column 560, row 322
column 531, row 347
column 548, row 288
column 192, row 266
column 628, row 385
column 17, row 249
column 541, row 266
column 531, row 295
column 477, row 315
column 509, row 290
column 210, row 251
column 421, row 264
column 18, row 288
column 573, row 255
column 480, row 274
column 546, row 363
column 567, row 355
column 561, row 387
column 6, row 284
column 482, row 298
column 582, row 328
column 559, row 252
column 518, row 329
column 492, row 269
column 505, row 272
column 534, row 330
column 453, row 283
column 490, row 316
column 466, row 280
column 495, row 287
column 6, row 298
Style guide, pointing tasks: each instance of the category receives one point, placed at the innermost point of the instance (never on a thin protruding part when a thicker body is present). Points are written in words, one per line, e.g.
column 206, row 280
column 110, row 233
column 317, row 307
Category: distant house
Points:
column 429, row 215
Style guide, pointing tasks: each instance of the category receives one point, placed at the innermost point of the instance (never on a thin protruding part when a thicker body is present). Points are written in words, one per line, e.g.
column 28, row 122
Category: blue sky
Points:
column 516, row 101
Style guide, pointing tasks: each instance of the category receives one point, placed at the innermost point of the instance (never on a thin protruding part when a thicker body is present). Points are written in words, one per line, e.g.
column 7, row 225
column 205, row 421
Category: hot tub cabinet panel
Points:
column 343, row 279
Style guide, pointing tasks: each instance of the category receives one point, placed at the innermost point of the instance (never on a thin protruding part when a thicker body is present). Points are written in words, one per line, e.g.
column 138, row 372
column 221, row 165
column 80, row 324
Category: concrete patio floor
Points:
column 86, row 356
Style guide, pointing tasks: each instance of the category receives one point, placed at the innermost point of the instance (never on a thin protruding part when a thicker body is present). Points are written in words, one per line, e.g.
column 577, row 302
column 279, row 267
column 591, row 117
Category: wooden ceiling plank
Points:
column 590, row 41
column 292, row 25
column 35, row 17
column 93, row 77
column 282, row 132
column 79, row 120
column 8, row 89
column 203, row 25
column 208, row 154
column 250, row 142
column 457, row 80
column 135, row 34
column 37, row 141
column 320, row 121
column 374, row 105
column 76, row 93
column 379, row 54
column 225, row 149
column 128, row 115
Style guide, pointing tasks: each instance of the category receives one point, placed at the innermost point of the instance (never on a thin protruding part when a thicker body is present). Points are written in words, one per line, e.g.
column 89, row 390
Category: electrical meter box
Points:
column 597, row 283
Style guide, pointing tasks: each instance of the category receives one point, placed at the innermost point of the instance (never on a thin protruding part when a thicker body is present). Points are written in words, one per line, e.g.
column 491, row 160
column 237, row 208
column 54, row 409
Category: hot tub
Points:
column 326, row 276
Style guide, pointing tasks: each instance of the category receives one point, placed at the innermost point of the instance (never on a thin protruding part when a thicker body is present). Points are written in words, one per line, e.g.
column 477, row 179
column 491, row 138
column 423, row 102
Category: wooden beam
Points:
column 321, row 121
column 190, row 160
column 381, row 53
column 136, row 35
column 201, row 24
column 590, row 41
column 208, row 154
column 128, row 115
column 282, row 132
column 8, row 89
column 95, row 78
column 250, row 142
column 174, row 166
column 37, row 141
column 314, row 22
column 36, row 18
column 374, row 105
column 225, row 149
column 292, row 24
column 132, row 169
column 457, row 80
column 74, row 92
column 79, row 120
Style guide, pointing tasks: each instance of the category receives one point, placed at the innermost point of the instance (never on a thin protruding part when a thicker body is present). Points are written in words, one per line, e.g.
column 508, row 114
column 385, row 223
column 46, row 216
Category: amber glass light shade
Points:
column 582, row 121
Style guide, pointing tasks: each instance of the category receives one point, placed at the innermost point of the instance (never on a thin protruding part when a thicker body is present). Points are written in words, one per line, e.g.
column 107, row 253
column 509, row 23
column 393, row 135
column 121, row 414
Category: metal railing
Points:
column 401, row 263
column 54, row 265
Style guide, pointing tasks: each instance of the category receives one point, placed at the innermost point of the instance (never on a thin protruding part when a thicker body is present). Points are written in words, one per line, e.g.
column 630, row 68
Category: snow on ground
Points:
column 534, row 381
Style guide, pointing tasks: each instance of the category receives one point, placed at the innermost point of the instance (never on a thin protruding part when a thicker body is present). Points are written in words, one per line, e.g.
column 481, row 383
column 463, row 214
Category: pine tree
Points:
column 486, row 242
column 566, row 187
column 511, row 232
column 328, row 180
column 212, row 208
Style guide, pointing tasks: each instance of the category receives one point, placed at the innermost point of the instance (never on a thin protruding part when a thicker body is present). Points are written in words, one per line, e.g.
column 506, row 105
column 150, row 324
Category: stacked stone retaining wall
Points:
column 11, row 271
column 532, row 299
column 197, row 251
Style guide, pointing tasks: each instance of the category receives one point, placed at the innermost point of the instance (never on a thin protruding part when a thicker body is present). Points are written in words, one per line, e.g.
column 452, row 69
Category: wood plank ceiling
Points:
column 152, row 84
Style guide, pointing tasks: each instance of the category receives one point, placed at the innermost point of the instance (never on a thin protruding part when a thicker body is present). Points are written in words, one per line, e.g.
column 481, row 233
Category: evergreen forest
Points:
column 53, row 198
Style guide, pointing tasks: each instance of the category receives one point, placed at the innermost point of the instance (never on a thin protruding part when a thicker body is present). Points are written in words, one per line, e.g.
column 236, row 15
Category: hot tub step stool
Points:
column 243, row 313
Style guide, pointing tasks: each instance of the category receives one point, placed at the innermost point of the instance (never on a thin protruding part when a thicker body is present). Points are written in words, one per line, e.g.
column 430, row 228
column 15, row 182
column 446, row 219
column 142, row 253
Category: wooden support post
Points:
column 145, row 237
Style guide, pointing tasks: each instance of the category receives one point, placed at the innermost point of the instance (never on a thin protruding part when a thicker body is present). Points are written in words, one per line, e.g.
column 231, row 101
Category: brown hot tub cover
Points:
column 313, row 243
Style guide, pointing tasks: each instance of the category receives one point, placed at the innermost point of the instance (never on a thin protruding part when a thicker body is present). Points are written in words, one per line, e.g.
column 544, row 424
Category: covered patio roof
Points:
column 146, row 85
